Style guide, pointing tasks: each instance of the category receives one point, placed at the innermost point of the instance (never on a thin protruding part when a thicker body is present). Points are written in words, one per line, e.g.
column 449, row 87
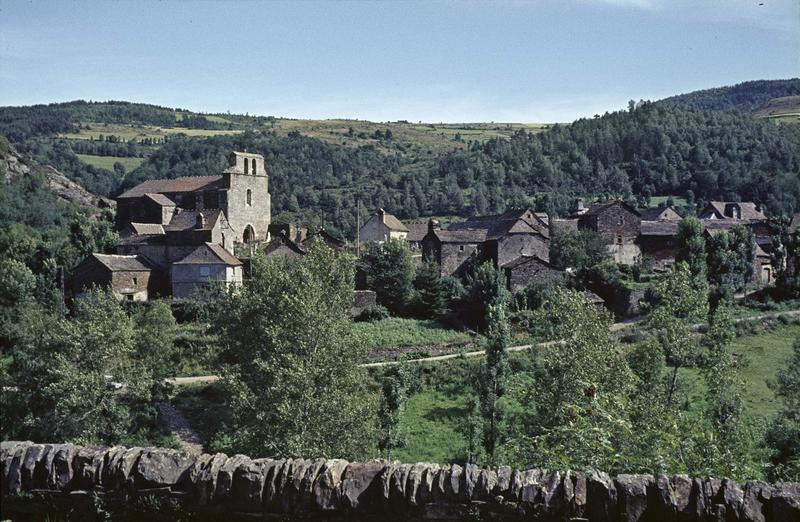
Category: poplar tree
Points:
column 495, row 375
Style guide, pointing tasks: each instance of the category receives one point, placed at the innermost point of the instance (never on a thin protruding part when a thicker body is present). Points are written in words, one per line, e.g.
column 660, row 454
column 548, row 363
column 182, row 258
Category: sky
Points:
column 432, row 61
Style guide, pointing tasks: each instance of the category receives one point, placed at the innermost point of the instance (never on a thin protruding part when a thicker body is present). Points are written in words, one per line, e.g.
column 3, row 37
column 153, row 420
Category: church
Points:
column 179, row 234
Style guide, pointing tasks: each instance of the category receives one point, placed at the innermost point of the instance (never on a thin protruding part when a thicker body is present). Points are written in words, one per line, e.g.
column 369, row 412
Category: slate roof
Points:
column 326, row 237
column 524, row 260
column 124, row 263
column 209, row 254
column 566, row 224
column 182, row 184
column 655, row 214
column 416, row 231
column 187, row 220
column 597, row 208
column 161, row 199
column 659, row 228
column 475, row 235
column 147, row 229
column 281, row 240
column 748, row 209
column 500, row 225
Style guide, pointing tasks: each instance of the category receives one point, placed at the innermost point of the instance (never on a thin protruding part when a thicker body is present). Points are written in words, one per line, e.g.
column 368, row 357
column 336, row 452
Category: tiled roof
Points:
column 659, row 228
column 122, row 263
column 147, row 229
column 509, row 222
column 210, row 254
column 187, row 220
column 161, row 199
column 182, row 184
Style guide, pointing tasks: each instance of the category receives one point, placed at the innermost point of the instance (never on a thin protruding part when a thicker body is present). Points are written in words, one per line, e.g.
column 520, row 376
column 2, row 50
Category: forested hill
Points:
column 321, row 169
column 746, row 96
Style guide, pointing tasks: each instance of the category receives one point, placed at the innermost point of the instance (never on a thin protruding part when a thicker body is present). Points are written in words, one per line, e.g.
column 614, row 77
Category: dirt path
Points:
column 614, row 328
column 180, row 426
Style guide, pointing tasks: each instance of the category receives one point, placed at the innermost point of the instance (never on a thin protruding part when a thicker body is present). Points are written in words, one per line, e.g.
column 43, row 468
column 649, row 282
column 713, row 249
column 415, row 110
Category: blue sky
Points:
column 535, row 61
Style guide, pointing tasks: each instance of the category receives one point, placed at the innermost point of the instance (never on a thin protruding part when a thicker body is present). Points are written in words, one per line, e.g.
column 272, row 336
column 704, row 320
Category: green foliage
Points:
column 786, row 260
column 390, row 273
column 397, row 384
column 65, row 370
column 294, row 382
column 730, row 259
column 579, row 250
column 745, row 96
column 395, row 332
column 493, row 379
column 784, row 433
column 429, row 299
column 692, row 246
column 485, row 287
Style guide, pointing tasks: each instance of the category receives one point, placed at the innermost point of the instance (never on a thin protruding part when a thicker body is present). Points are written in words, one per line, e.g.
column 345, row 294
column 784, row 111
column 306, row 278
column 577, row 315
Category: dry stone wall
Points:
column 39, row 476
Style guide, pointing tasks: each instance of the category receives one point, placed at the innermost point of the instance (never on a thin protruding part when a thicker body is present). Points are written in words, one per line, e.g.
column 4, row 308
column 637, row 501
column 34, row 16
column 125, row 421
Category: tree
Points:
column 691, row 246
column 397, row 384
column 784, row 433
column 485, row 287
column 731, row 255
column 428, row 291
column 493, row 380
column 390, row 273
column 65, row 369
column 680, row 303
column 294, row 382
column 578, row 250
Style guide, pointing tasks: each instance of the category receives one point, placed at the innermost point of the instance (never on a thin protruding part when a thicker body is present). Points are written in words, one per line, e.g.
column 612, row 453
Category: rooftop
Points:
column 124, row 263
column 182, row 184
column 210, row 254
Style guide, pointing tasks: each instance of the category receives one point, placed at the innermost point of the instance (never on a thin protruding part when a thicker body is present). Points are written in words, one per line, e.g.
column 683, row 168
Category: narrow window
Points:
column 254, row 167
column 621, row 220
column 135, row 280
column 249, row 197
column 461, row 248
column 246, row 166
column 619, row 240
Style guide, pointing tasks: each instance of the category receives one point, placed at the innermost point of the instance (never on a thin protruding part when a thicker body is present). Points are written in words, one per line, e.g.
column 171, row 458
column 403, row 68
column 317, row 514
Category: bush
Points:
column 372, row 313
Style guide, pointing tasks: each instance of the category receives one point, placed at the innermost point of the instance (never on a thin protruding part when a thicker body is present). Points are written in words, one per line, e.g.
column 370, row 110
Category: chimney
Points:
column 201, row 220
column 433, row 225
column 382, row 214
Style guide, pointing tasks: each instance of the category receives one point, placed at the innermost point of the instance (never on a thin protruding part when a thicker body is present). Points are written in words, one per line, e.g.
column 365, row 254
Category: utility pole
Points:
column 358, row 228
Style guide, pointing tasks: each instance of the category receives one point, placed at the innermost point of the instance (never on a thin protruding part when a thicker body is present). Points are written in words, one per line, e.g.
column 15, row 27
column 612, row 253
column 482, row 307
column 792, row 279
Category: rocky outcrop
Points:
column 63, row 475
column 14, row 165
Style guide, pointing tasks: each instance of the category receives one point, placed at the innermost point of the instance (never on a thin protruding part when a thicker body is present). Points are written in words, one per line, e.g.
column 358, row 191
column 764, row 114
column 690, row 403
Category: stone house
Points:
column 382, row 227
column 666, row 213
column 282, row 246
column 525, row 269
column 658, row 242
column 129, row 277
column 619, row 224
column 732, row 210
column 498, row 238
column 208, row 263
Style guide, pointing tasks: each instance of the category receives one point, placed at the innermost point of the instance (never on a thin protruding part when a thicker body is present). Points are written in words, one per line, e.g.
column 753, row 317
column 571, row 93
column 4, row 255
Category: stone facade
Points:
column 65, row 478
column 130, row 278
column 619, row 224
column 520, row 272
column 206, row 265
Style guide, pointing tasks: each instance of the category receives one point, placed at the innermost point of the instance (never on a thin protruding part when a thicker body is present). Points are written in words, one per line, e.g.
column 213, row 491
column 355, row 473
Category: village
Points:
column 181, row 235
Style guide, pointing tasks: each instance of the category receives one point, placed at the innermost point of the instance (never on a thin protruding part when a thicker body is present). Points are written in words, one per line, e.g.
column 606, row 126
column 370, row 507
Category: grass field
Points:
column 433, row 427
column 401, row 332
column 136, row 132
column 655, row 201
column 107, row 162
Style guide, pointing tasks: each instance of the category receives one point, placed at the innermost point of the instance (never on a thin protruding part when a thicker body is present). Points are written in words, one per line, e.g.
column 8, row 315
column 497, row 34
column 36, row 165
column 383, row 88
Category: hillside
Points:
column 745, row 96
column 322, row 169
column 784, row 109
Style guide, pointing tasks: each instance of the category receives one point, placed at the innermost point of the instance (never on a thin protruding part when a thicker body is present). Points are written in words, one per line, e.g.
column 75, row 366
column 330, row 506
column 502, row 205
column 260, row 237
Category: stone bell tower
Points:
column 247, row 203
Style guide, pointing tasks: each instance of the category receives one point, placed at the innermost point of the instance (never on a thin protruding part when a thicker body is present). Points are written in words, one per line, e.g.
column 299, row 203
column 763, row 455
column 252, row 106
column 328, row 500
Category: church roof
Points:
column 209, row 254
column 187, row 220
column 182, row 184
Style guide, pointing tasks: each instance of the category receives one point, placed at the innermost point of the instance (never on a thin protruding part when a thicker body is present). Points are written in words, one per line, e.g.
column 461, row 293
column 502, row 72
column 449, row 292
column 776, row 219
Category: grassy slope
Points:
column 433, row 419
column 107, row 162
column 398, row 332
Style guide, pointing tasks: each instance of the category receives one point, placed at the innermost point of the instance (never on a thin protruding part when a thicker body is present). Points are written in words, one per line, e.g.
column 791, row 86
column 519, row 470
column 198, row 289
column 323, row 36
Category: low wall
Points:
column 38, row 478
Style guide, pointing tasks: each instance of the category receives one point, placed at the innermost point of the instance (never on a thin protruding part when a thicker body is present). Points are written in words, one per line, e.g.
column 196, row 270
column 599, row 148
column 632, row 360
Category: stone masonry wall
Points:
column 244, row 488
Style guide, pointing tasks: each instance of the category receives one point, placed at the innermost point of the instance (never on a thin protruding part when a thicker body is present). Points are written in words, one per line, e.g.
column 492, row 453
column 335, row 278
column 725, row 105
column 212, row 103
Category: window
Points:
column 619, row 240
column 249, row 197
column 621, row 220
column 460, row 248
column 204, row 271
column 135, row 280
column 129, row 297
column 246, row 165
column 254, row 167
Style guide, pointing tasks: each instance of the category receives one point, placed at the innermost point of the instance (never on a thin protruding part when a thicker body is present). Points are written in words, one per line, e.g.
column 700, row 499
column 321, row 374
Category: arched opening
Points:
column 254, row 167
column 246, row 165
column 249, row 197
column 249, row 235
